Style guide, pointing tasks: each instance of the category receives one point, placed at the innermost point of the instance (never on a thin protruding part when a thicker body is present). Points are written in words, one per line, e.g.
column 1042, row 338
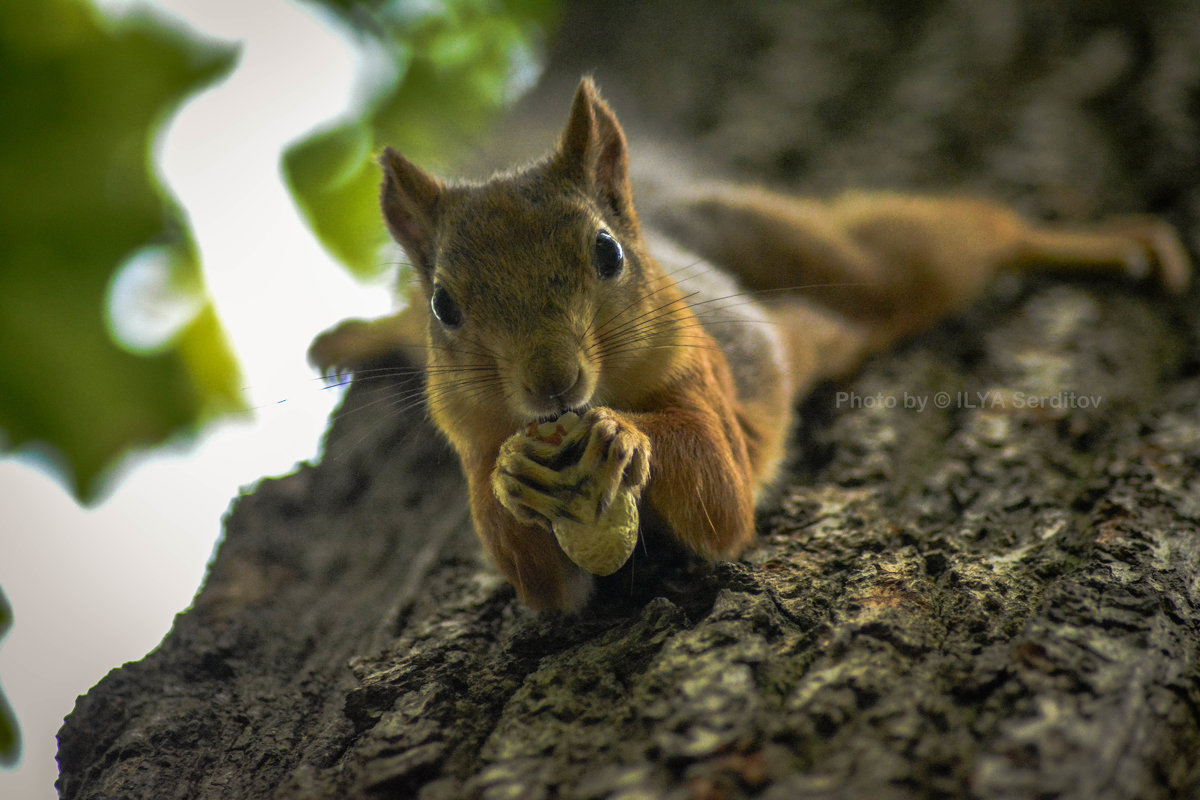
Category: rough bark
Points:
column 983, row 600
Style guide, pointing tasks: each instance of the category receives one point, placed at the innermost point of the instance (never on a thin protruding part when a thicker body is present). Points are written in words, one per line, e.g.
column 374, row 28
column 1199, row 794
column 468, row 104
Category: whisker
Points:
column 424, row 393
column 602, row 329
column 629, row 354
column 645, row 326
column 368, row 376
column 392, row 398
column 667, row 285
column 643, row 329
column 660, row 311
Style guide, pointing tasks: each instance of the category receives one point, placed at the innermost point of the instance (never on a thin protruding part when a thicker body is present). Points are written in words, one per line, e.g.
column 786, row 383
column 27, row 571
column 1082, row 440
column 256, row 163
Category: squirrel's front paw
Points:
column 616, row 454
column 526, row 482
column 536, row 475
column 359, row 343
column 572, row 468
column 581, row 479
column 341, row 349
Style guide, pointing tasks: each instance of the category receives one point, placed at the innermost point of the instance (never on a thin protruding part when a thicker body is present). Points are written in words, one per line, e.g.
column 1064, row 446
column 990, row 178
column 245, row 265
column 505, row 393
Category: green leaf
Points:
column 83, row 97
column 452, row 67
column 335, row 184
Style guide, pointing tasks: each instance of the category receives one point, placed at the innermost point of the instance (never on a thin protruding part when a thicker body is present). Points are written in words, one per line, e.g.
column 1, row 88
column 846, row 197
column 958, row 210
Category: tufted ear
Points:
column 592, row 150
column 409, row 198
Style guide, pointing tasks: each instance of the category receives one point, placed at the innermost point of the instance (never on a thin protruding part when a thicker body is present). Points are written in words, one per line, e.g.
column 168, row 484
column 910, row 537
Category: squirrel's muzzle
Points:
column 553, row 380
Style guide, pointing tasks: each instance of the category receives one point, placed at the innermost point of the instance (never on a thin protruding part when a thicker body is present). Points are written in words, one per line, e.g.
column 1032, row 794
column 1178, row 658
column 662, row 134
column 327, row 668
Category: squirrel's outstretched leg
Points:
column 358, row 343
column 850, row 277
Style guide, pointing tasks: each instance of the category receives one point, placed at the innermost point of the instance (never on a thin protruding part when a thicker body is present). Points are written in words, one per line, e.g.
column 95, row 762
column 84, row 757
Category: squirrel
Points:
column 539, row 292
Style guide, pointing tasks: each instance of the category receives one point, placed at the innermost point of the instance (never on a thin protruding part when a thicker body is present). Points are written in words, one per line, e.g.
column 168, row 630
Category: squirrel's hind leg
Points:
column 852, row 276
column 819, row 344
column 1138, row 246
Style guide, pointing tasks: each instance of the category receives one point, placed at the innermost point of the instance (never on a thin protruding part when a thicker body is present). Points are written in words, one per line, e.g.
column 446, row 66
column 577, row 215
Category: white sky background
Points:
column 94, row 588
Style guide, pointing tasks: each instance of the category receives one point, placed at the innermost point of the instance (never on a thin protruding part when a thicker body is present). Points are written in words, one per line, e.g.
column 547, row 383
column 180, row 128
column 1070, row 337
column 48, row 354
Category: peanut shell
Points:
column 601, row 548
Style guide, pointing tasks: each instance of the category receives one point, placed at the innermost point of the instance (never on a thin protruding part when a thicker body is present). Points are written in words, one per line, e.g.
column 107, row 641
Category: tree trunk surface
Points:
column 981, row 574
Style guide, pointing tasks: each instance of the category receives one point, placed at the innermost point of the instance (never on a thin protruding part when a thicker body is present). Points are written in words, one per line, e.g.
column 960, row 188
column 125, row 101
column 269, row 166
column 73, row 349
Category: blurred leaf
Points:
column 448, row 68
column 83, row 97
column 10, row 735
column 332, row 176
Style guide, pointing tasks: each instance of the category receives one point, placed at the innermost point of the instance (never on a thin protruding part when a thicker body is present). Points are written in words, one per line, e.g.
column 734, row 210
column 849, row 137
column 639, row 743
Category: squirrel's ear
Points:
column 592, row 150
column 409, row 198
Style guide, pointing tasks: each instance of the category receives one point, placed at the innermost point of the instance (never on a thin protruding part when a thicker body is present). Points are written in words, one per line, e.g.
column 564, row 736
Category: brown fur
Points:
column 541, row 333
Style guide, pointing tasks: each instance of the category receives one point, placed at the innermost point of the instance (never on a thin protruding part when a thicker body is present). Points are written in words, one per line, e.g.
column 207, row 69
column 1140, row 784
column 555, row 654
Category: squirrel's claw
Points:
column 615, row 456
column 358, row 343
column 1157, row 250
column 336, row 352
column 532, row 492
column 1173, row 267
column 617, row 453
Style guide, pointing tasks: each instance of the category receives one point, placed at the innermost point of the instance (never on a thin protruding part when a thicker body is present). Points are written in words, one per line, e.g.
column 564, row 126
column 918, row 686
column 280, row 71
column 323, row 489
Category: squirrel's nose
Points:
column 552, row 383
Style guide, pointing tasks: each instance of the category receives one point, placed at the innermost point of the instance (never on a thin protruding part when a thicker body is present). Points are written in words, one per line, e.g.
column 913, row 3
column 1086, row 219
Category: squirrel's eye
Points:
column 610, row 258
column 445, row 309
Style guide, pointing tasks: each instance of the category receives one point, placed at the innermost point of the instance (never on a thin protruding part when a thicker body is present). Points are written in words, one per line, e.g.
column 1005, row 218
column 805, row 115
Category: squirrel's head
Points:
column 540, row 292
